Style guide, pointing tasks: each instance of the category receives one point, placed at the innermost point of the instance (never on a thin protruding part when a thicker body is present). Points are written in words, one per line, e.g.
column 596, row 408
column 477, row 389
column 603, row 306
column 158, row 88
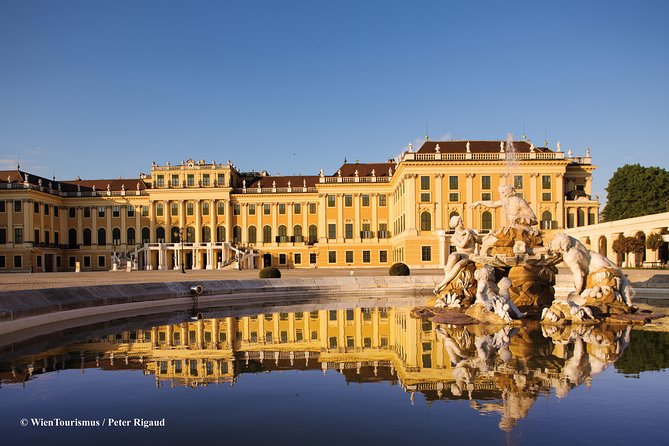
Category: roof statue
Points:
column 468, row 147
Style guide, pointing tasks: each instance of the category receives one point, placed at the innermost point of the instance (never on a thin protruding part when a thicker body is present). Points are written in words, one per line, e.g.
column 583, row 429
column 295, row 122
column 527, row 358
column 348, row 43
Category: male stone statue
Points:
column 519, row 215
column 464, row 240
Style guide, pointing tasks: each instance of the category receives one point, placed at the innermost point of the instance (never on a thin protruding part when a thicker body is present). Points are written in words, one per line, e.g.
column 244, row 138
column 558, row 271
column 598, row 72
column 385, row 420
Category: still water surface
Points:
column 334, row 376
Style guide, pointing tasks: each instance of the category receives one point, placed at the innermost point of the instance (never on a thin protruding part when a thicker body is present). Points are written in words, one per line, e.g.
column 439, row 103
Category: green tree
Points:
column 627, row 245
column 654, row 242
column 635, row 190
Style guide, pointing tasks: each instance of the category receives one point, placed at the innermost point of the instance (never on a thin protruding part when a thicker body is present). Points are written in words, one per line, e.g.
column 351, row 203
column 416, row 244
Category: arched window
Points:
column 146, row 234
column 130, row 236
column 580, row 218
column 486, row 220
column 267, row 234
column 425, row 221
column 283, row 234
column 313, row 234
column 190, row 234
column 236, row 234
column 160, row 235
column 116, row 236
column 546, row 220
column 206, row 234
column 453, row 214
column 297, row 233
column 72, row 238
column 102, row 237
column 88, row 237
column 220, row 234
column 174, row 235
column 253, row 238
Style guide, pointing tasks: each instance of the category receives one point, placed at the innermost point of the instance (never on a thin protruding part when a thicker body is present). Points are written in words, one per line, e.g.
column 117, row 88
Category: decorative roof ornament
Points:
column 356, row 172
column 304, row 182
column 108, row 187
column 244, row 184
column 39, row 182
column 587, row 152
column 437, row 149
column 570, row 153
column 410, row 147
column 9, row 178
column 138, row 185
column 288, row 183
column 558, row 147
column 373, row 172
column 468, row 147
column 321, row 174
column 94, row 188
column 59, row 189
column 273, row 183
column 501, row 146
column 339, row 173
column 123, row 187
column 390, row 171
column 532, row 148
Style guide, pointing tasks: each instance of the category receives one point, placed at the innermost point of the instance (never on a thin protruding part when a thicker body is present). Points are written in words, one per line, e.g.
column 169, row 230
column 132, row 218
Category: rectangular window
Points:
column 312, row 208
column 2, row 262
column 426, row 253
column 220, row 208
column 297, row 259
column 332, row 315
column 518, row 181
column 349, row 256
column 46, row 209
column 331, row 201
column 18, row 235
column 175, row 209
column 333, row 342
column 453, row 182
column 145, row 211
column 189, row 208
column 190, row 180
column 454, row 196
column 486, row 196
column 221, row 179
column 545, row 181
column 348, row 201
column 425, row 196
column 366, row 256
column 87, row 261
column 3, row 236
column 546, row 196
column 348, row 230
column 2, row 206
column 18, row 261
column 266, row 209
column 297, row 208
column 160, row 179
column 116, row 211
column 206, row 180
column 72, row 212
column 36, row 239
column 252, row 209
column 332, row 231
column 282, row 208
column 72, row 261
column 39, row 261
column 312, row 258
column 131, row 210
column 365, row 200
column 55, row 238
column 424, row 182
column 332, row 256
column 55, row 211
column 383, row 256
column 36, row 207
column 282, row 259
column 17, row 206
column 205, row 208
column 236, row 209
column 485, row 182
column 383, row 200
column 175, row 180
column 101, row 261
column 87, row 212
column 101, row 212
column 299, row 335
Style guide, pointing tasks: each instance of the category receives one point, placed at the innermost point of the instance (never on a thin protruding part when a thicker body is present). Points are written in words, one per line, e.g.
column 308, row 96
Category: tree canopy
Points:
column 635, row 190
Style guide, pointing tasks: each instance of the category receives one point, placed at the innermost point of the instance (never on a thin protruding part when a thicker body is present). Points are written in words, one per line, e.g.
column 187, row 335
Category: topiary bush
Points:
column 270, row 273
column 399, row 269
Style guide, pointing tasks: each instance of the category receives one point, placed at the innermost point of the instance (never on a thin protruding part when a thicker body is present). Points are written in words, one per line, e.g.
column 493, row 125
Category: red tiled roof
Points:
column 365, row 169
column 101, row 185
column 282, row 181
column 476, row 147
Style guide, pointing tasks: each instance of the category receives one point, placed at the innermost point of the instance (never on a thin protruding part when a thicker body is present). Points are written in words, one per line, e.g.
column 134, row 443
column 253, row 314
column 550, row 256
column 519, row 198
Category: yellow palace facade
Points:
column 201, row 215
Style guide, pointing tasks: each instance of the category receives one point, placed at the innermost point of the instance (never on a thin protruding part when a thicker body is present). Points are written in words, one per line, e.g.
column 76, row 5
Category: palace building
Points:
column 201, row 215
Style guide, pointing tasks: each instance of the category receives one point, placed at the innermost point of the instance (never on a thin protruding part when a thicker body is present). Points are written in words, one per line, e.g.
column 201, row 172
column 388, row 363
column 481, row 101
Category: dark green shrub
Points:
column 270, row 273
column 399, row 269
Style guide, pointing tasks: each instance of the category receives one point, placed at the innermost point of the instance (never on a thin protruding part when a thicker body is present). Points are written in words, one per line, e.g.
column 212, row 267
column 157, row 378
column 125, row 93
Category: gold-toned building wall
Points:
column 363, row 215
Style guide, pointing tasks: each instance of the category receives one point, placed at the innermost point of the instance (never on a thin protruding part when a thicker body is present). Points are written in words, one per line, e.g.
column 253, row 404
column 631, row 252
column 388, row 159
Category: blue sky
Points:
column 102, row 89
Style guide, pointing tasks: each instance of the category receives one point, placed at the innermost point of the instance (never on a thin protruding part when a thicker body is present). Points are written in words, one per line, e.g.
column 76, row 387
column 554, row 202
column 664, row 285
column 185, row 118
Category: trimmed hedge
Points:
column 270, row 273
column 399, row 269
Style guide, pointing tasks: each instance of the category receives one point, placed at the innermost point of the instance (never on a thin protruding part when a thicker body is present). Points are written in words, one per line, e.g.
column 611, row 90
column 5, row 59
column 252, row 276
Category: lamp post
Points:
column 180, row 234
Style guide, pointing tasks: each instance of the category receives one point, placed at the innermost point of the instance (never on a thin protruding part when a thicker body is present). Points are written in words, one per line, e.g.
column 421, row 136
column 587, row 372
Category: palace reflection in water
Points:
column 500, row 370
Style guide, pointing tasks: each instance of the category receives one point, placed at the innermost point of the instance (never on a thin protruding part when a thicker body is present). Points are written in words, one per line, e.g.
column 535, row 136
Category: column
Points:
column 123, row 212
column 182, row 215
column 469, row 194
column 534, row 202
column 323, row 329
column 439, row 214
column 228, row 221
column 375, row 329
column 559, row 186
column 410, row 203
column 357, row 317
column 442, row 248
column 259, row 228
column 213, row 214
column 41, row 227
column 340, row 218
column 322, row 210
column 275, row 221
column 94, row 226
column 305, row 222
column 290, row 218
column 109, row 223
column 198, row 225
column 10, row 221
column 375, row 224
column 357, row 226
column 167, row 215
column 152, row 223
column 138, row 226
column 214, row 332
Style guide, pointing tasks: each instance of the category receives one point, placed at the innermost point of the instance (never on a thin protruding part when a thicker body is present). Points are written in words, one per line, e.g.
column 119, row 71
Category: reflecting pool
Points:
column 333, row 375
